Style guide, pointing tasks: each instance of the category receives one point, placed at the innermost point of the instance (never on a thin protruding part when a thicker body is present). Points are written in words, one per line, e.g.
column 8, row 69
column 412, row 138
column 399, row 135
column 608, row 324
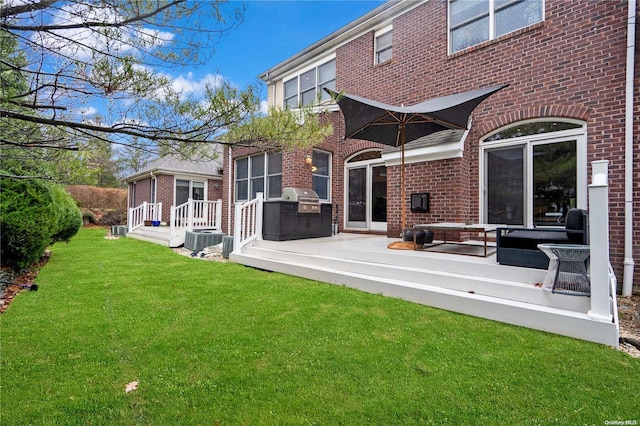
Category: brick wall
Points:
column 164, row 194
column 571, row 66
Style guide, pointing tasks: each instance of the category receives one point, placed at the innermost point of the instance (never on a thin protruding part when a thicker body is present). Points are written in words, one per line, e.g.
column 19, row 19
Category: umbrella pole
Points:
column 402, row 191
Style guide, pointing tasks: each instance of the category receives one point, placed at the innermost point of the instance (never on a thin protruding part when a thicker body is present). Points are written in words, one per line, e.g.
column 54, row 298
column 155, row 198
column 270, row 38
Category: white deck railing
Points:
column 247, row 222
column 145, row 211
column 603, row 302
column 196, row 214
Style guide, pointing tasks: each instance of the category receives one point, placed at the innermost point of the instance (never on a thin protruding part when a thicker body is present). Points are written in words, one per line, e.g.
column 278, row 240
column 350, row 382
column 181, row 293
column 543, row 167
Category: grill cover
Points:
column 308, row 200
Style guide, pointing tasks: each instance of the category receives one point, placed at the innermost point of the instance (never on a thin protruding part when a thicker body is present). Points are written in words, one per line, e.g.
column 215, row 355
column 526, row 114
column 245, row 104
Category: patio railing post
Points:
column 218, row 217
column 190, row 215
column 144, row 211
column 237, row 226
column 172, row 222
column 258, row 218
column 599, row 240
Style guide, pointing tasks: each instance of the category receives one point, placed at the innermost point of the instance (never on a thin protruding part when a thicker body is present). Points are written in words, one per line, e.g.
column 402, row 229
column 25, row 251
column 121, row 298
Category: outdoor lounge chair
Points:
column 519, row 246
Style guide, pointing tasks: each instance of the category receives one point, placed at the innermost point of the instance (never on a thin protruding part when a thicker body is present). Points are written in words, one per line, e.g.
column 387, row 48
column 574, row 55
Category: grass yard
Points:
column 218, row 343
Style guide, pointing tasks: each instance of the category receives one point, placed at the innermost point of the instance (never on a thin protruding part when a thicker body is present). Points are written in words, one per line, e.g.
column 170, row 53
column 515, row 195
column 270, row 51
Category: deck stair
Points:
column 154, row 234
column 465, row 284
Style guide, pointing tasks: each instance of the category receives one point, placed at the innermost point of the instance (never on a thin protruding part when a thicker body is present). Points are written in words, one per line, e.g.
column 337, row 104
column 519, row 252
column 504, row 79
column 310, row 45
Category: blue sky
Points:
column 273, row 31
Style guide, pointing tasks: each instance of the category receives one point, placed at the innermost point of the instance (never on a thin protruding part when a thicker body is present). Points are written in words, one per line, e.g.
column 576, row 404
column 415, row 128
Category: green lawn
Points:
column 217, row 343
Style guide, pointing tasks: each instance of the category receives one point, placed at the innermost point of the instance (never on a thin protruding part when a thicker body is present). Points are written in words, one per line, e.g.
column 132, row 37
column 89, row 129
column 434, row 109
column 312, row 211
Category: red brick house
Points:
column 172, row 181
column 173, row 196
column 572, row 98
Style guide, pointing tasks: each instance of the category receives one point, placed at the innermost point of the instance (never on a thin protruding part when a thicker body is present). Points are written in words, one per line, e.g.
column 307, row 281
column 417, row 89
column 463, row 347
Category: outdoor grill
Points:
column 308, row 200
column 298, row 215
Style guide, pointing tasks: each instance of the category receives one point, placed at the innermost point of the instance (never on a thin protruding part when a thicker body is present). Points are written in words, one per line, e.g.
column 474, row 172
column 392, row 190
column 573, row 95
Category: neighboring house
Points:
column 172, row 181
column 526, row 157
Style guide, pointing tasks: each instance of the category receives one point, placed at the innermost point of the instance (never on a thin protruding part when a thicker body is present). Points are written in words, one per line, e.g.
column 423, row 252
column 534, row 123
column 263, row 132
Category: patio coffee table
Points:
column 483, row 229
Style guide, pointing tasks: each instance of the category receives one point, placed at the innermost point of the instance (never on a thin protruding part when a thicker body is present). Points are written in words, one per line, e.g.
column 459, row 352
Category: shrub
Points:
column 89, row 217
column 27, row 221
column 33, row 214
column 113, row 217
column 69, row 217
column 92, row 197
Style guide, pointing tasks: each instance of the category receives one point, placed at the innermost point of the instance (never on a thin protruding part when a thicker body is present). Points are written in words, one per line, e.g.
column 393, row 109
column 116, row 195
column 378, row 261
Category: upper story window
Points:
column 383, row 45
column 472, row 22
column 305, row 88
column 259, row 173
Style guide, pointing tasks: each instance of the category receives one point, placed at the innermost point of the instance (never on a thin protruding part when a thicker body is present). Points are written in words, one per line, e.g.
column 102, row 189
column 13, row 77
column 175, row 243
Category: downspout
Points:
column 627, row 283
column 229, row 186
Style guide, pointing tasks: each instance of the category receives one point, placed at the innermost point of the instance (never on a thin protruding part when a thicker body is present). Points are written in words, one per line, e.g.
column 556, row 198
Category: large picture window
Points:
column 472, row 22
column 258, row 173
column 534, row 173
column 306, row 88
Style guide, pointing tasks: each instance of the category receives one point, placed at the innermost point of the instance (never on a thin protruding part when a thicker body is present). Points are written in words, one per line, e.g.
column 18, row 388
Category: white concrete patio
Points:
column 470, row 285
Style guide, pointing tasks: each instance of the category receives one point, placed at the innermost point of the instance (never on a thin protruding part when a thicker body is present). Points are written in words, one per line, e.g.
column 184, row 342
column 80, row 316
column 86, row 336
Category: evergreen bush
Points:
column 69, row 216
column 33, row 214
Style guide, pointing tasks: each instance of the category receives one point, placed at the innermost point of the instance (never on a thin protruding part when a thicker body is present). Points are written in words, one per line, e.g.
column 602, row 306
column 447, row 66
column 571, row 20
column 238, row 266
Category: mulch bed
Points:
column 12, row 282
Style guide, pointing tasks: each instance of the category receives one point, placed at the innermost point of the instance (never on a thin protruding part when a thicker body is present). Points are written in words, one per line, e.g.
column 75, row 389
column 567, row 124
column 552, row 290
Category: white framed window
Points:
column 187, row 188
column 258, row 173
column 383, row 45
column 472, row 22
column 321, row 174
column 306, row 88
column 533, row 172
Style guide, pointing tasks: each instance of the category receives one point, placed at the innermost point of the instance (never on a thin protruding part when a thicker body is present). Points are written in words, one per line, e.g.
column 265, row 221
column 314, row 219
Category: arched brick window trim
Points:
column 356, row 145
column 556, row 111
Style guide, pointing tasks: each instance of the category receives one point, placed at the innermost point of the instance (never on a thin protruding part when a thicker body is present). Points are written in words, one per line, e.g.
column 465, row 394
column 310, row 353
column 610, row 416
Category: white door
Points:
column 366, row 196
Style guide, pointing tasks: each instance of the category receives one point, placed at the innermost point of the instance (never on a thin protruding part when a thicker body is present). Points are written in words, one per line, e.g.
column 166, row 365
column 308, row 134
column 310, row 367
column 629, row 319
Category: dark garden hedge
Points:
column 33, row 215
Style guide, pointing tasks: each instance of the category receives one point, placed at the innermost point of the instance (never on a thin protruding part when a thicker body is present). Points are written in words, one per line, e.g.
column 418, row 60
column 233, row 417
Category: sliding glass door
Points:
column 534, row 180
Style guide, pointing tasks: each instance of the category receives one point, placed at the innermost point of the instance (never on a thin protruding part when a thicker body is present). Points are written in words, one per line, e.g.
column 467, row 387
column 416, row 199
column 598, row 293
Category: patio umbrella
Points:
column 397, row 125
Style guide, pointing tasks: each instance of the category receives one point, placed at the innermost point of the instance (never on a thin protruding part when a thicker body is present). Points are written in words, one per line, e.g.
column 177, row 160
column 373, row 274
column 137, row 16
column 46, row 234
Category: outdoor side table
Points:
column 550, row 278
column 569, row 269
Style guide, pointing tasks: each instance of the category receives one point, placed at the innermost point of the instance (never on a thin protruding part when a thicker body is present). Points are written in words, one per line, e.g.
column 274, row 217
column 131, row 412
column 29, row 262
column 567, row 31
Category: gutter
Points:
column 383, row 13
column 627, row 283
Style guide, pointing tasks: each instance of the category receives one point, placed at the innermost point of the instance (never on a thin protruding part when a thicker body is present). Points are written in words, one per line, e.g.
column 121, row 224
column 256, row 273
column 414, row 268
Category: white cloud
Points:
column 80, row 42
column 188, row 85
column 87, row 111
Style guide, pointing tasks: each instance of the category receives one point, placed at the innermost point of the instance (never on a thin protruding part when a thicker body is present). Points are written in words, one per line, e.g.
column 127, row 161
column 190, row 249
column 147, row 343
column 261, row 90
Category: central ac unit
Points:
column 197, row 240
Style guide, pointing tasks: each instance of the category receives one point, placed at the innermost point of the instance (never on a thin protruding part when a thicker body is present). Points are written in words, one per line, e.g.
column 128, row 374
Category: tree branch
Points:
column 88, row 24
column 6, row 11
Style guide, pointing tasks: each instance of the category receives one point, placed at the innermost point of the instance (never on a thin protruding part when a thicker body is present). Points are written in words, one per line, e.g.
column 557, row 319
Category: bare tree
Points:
column 77, row 69
column 79, row 55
